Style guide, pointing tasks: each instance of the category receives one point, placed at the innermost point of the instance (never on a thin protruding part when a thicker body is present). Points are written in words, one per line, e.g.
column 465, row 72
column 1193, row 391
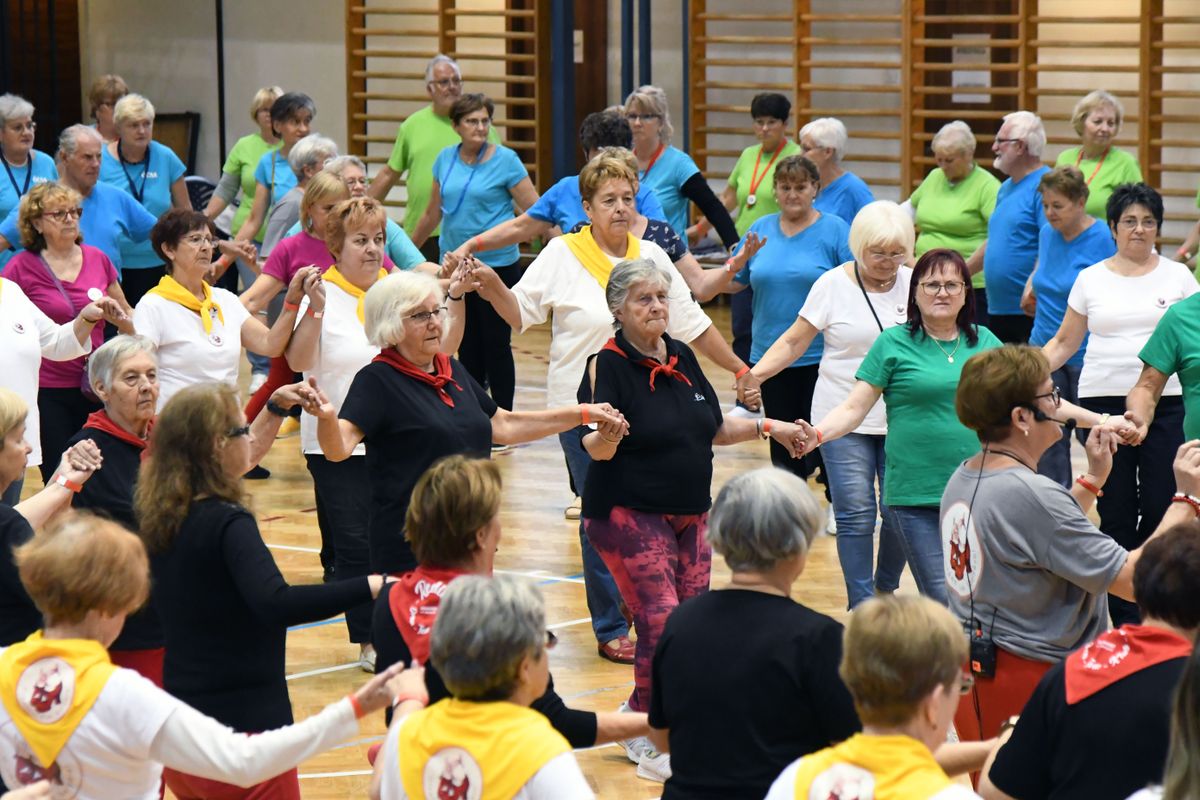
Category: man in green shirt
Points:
column 1173, row 349
column 420, row 138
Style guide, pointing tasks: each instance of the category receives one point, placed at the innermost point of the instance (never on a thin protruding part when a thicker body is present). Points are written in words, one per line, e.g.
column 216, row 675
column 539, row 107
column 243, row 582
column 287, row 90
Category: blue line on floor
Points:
column 333, row 621
column 576, row 576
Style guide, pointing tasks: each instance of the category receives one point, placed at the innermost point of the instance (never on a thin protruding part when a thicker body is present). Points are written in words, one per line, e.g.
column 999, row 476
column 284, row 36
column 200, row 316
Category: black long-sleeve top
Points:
column 225, row 610
column 697, row 190
column 19, row 617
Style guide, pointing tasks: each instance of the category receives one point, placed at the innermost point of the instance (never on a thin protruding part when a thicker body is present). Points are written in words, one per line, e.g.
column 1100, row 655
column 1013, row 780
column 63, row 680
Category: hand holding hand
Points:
column 1124, row 429
column 613, row 432
column 808, row 436
column 789, row 435
column 462, row 280
column 103, row 309
column 81, row 461
column 602, row 413
column 295, row 290
column 749, row 392
column 1187, row 468
column 378, row 693
column 315, row 402
column 314, row 288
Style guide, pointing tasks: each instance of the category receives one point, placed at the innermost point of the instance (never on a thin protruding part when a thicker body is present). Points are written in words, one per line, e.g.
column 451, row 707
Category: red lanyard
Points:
column 1079, row 159
column 755, row 178
column 653, row 160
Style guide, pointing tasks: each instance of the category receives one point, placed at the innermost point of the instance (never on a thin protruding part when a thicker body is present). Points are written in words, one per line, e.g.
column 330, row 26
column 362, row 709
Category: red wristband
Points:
column 583, row 415
column 290, row 306
column 358, row 709
column 64, row 482
column 766, row 426
column 1091, row 487
column 737, row 375
column 1191, row 500
column 477, row 244
column 314, row 314
column 818, row 433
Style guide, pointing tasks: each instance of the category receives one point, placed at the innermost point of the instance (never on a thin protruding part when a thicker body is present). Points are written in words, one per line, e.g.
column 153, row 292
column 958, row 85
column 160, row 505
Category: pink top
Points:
column 31, row 273
column 296, row 252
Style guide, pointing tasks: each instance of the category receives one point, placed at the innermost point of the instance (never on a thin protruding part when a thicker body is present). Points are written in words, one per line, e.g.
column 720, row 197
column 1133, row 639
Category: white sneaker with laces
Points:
column 831, row 523
column 638, row 746
column 655, row 766
column 257, row 379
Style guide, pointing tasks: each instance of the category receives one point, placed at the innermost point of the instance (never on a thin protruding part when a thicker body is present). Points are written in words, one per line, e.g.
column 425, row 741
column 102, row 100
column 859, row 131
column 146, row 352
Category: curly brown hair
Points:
column 184, row 461
column 33, row 207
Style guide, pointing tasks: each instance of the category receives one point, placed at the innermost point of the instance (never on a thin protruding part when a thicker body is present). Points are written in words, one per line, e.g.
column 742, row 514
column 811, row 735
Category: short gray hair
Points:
column 956, row 136
column 762, row 517
column 14, row 106
column 441, row 58
column 654, row 100
column 392, row 299
column 310, row 151
column 878, row 223
column 1090, row 102
column 132, row 107
column 827, row 132
column 484, row 628
column 1027, row 126
column 68, row 140
column 107, row 359
column 628, row 274
column 337, row 165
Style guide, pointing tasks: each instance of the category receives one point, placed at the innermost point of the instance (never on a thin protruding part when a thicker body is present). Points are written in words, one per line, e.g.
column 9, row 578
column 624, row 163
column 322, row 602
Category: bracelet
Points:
column 764, row 428
column 477, row 244
column 1091, row 487
column 359, row 713
column 66, row 483
column 583, row 415
column 728, row 264
column 277, row 409
column 290, row 306
column 758, row 428
column 423, row 699
column 453, row 298
column 1190, row 499
column 314, row 314
column 819, row 437
column 738, row 375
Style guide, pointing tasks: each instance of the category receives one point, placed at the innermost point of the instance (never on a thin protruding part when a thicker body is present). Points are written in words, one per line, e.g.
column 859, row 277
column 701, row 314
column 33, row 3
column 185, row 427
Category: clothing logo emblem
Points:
column 1161, row 302
column 215, row 339
column 843, row 782
column 699, row 397
column 18, row 327
column 452, row 774
column 45, row 689
column 960, row 543
column 1105, row 654
column 20, row 767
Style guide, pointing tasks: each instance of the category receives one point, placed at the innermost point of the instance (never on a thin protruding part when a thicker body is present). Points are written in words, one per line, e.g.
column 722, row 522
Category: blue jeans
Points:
column 854, row 462
column 603, row 597
column 1055, row 463
column 258, row 363
column 921, row 535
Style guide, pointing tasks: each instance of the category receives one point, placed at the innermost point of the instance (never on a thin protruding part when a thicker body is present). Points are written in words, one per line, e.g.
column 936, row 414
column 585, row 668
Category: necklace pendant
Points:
column 751, row 200
column 950, row 359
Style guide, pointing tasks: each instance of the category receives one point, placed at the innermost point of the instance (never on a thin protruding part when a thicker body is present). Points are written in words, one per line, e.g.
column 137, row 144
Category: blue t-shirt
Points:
column 1012, row 242
column 1059, row 264
column 13, row 188
column 399, row 248
column 782, row 273
column 666, row 178
column 108, row 214
column 160, row 169
column 477, row 198
column 285, row 179
column 844, row 197
column 562, row 204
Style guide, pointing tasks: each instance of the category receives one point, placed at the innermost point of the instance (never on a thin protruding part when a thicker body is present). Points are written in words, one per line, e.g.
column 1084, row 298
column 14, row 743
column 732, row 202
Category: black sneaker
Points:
column 257, row 473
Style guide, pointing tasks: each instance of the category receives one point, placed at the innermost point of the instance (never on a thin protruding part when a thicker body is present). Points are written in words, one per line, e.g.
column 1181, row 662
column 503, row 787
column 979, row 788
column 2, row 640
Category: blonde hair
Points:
column 1090, row 102
column 264, row 98
column 654, row 100
column 132, row 107
column 348, row 215
column 612, row 163
column 878, row 223
column 13, row 410
column 390, row 300
column 321, row 187
column 33, row 207
column 956, row 136
column 106, row 89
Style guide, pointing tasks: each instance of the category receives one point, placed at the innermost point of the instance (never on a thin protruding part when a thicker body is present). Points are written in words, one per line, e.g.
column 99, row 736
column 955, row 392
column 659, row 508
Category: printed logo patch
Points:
column 452, row 774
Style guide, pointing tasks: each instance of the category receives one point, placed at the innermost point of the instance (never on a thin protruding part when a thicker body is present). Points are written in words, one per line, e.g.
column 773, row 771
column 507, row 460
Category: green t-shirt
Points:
column 1118, row 167
column 764, row 193
column 955, row 216
column 1174, row 348
column 925, row 441
column 242, row 160
column 420, row 138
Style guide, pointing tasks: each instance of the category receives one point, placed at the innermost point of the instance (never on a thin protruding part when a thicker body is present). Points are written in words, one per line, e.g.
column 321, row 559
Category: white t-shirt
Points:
column 341, row 353
column 26, row 337
column 784, row 788
column 186, row 354
column 836, row 307
column 1121, row 314
column 559, row 779
column 556, row 282
column 1149, row 793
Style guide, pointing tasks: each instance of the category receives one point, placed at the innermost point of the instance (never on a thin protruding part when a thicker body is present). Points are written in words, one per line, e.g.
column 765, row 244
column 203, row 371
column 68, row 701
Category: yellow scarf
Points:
column 900, row 767
column 496, row 747
column 332, row 275
column 594, row 260
column 48, row 686
column 173, row 290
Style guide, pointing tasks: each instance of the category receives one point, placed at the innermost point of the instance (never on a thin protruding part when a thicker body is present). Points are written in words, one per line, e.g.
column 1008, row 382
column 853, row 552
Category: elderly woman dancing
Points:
column 823, row 142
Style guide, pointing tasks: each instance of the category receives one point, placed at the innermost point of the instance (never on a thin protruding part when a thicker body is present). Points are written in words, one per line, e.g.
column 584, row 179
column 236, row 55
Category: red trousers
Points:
column 189, row 787
column 281, row 374
column 995, row 699
column 147, row 663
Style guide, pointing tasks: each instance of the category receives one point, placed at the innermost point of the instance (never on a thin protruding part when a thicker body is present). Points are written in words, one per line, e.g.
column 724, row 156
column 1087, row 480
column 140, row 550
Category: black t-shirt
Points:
column 664, row 465
column 19, row 617
column 741, row 712
column 658, row 232
column 1110, row 744
column 109, row 492
column 406, row 428
column 577, row 727
column 225, row 610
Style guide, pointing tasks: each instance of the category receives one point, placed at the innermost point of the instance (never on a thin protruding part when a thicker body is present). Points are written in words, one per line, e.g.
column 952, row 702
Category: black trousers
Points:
column 136, row 282
column 1010, row 328
column 741, row 322
column 1140, row 486
column 343, row 502
column 486, row 349
column 63, row 413
column 788, row 397
column 432, row 250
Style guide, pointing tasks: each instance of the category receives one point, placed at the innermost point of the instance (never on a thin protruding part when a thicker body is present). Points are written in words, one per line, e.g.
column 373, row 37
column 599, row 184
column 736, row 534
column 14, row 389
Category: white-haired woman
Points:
column 823, row 142
column 490, row 645
column 307, row 158
column 1097, row 119
column 153, row 175
column 446, row 411
column 24, row 167
column 850, row 306
column 667, row 170
column 732, row 724
column 953, row 204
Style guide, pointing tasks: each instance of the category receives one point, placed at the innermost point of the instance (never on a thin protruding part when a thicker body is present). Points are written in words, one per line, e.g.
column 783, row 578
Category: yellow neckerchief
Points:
column 48, row 686
column 173, row 290
column 332, row 275
column 497, row 747
column 594, row 260
column 901, row 767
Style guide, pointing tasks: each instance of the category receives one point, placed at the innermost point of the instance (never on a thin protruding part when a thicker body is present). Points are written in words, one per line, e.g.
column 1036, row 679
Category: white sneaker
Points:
column 638, row 746
column 831, row 523
column 739, row 411
column 257, row 379
column 366, row 659
column 655, row 767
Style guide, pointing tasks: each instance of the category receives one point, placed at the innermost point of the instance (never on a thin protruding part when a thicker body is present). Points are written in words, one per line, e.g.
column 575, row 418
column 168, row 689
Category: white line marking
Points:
column 539, row 574
column 322, row 671
column 293, row 547
column 579, row 621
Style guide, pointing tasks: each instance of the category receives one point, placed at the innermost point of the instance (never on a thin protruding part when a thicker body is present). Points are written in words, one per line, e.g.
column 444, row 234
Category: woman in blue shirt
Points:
column 475, row 184
column 24, row 167
column 153, row 175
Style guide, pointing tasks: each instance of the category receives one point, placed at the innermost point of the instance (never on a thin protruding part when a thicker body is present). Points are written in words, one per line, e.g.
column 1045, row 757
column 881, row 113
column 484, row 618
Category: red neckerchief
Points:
column 414, row 602
column 442, row 372
column 1117, row 654
column 655, row 367
column 100, row 421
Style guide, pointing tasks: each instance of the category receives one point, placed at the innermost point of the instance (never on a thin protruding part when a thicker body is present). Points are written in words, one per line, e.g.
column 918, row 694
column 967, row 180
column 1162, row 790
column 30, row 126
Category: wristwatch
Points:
column 277, row 409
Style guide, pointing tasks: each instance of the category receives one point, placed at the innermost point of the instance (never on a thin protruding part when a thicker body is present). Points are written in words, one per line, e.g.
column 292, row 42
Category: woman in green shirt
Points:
column 1097, row 119
column 238, row 172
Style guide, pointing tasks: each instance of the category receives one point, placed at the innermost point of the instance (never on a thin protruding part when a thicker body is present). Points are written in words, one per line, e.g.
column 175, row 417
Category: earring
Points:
column 1027, row 431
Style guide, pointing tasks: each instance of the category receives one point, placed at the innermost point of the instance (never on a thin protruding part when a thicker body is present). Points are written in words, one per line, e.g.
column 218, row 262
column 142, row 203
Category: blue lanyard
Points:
column 138, row 192
column 474, row 168
column 12, row 178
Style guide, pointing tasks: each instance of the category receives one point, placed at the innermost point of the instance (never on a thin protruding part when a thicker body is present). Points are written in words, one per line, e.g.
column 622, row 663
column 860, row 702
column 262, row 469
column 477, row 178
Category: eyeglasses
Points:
column 62, row 215
column 242, row 431
column 551, row 639
column 355, row 182
column 894, row 258
column 199, row 240
column 446, row 83
column 1054, row 394
column 478, row 123
column 966, row 685
column 21, row 127
column 642, row 117
column 1132, row 223
column 953, row 288
column 423, row 317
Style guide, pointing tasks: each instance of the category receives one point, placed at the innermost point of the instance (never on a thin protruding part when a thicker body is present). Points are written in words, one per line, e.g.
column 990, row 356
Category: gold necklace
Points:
column 949, row 356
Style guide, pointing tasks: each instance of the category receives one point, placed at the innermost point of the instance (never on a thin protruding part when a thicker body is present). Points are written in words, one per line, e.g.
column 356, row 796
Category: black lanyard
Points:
column 870, row 305
column 13, row 178
column 137, row 192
